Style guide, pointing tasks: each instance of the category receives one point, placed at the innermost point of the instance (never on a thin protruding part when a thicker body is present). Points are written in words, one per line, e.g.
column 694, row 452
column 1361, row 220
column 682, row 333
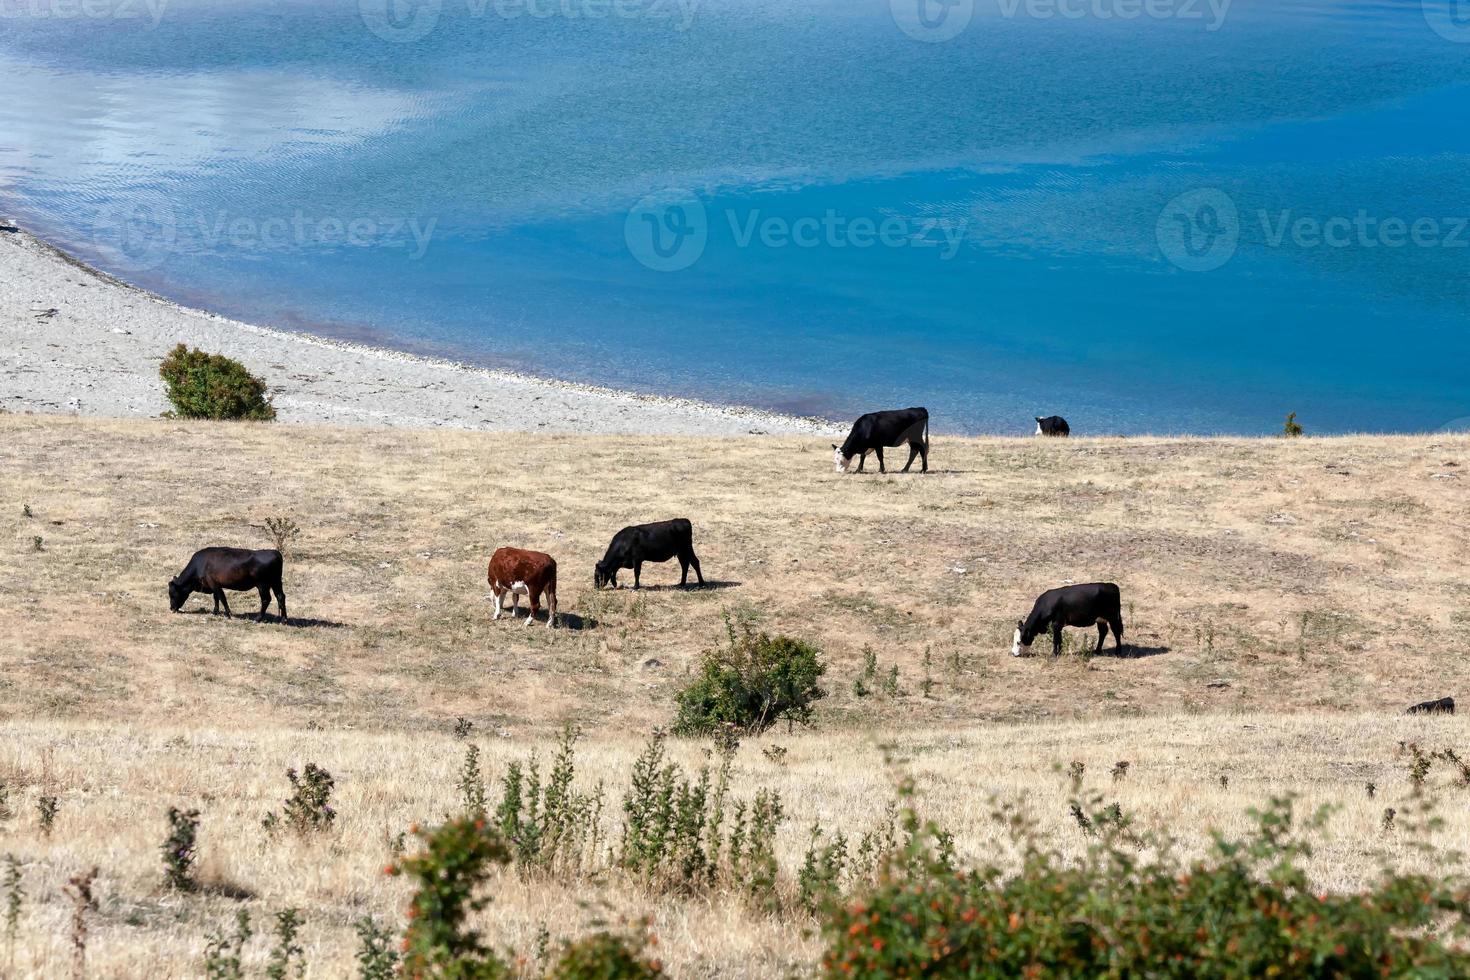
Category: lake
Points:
column 1144, row 215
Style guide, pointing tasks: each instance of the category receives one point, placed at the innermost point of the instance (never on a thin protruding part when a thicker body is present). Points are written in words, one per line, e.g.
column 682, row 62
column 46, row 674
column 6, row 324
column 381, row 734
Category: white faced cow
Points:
column 1099, row 604
column 876, row 431
column 523, row 573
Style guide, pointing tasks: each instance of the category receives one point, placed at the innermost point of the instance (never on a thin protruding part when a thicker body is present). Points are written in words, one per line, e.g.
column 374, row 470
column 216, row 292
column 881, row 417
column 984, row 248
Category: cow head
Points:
column 840, row 461
column 1022, row 641
column 177, row 595
column 603, row 575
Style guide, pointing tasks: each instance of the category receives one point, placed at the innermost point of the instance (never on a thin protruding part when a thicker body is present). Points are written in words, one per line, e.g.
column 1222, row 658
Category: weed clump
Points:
column 179, row 849
column 308, row 809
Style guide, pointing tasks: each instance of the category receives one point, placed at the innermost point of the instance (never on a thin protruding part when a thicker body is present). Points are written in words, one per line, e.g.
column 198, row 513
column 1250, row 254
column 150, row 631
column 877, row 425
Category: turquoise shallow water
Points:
column 1196, row 220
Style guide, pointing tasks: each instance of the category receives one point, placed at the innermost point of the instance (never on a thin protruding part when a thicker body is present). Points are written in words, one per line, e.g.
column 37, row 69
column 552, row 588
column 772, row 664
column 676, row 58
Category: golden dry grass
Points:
column 1221, row 548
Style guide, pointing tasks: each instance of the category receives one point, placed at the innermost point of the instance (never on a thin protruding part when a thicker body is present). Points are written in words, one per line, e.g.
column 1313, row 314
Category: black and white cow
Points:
column 877, row 431
column 632, row 546
column 1052, row 425
column 1097, row 604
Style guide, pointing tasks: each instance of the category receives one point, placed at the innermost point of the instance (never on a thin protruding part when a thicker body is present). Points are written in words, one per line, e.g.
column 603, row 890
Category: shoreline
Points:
column 81, row 341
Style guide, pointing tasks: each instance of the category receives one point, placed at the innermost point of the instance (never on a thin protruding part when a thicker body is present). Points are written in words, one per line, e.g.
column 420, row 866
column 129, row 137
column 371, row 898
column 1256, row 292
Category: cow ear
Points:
column 834, row 445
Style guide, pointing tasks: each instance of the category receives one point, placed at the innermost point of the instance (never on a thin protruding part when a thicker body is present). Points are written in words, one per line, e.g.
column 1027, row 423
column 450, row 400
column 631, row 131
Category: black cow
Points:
column 1074, row 605
column 1052, row 425
column 632, row 546
column 877, row 431
column 1440, row 706
column 213, row 570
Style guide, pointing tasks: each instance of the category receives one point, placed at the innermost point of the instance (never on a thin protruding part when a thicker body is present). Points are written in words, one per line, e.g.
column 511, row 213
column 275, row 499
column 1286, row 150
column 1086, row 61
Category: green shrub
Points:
column 1131, row 908
column 180, row 848
column 212, row 386
column 753, row 682
column 606, row 956
column 454, row 864
column 1292, row 428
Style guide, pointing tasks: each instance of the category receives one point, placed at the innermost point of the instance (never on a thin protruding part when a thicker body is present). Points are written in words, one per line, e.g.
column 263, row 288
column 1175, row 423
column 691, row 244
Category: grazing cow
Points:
column 1441, row 706
column 523, row 573
column 877, row 431
column 632, row 546
column 213, row 570
column 1073, row 605
column 1053, row 425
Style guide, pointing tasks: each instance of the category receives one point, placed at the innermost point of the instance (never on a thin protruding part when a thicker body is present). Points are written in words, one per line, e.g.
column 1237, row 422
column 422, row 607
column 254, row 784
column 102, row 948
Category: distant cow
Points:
column 632, row 546
column 1074, row 605
column 523, row 573
column 876, row 431
column 1052, row 425
column 1441, row 706
column 213, row 570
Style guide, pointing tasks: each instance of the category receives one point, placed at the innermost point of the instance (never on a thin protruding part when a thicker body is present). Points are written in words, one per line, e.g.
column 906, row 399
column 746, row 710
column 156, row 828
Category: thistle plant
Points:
column 287, row 951
column 179, row 849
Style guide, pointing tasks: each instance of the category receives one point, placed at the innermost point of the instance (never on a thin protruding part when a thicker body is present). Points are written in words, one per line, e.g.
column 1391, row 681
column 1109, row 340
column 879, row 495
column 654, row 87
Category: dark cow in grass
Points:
column 877, row 431
column 1098, row 604
column 1053, row 425
column 213, row 570
column 632, row 546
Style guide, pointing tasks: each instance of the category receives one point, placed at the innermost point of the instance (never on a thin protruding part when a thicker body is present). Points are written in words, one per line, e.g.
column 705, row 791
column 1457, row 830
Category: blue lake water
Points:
column 1145, row 215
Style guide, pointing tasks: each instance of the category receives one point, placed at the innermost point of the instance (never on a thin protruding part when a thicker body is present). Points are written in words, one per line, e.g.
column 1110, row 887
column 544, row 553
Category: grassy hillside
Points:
column 1288, row 600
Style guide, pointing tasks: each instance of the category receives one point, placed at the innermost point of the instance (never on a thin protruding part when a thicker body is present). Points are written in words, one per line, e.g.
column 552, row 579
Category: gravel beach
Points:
column 79, row 341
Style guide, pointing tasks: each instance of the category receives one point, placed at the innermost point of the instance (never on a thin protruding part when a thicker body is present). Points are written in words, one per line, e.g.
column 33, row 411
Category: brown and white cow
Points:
column 523, row 573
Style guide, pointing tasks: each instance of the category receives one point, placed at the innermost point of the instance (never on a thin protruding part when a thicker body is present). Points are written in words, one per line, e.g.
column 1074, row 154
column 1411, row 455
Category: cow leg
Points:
column 693, row 559
column 879, row 451
column 280, row 601
column 683, row 571
column 862, row 460
column 551, row 608
column 531, row 612
column 924, row 456
column 1056, row 639
column 1102, row 634
column 515, row 603
column 1117, row 625
column 913, row 452
column 496, row 594
column 220, row 600
column 637, row 573
column 265, row 603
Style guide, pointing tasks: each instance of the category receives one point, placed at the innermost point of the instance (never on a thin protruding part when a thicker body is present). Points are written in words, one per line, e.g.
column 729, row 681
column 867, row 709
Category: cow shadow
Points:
column 710, row 585
column 1131, row 651
column 271, row 619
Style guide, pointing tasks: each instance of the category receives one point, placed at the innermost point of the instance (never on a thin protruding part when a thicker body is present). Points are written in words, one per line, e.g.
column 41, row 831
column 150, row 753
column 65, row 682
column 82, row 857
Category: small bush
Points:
column 1122, row 910
column 46, row 808
column 753, row 682
column 606, row 956
column 287, row 950
column 179, row 849
column 212, row 386
column 283, row 530
column 376, row 957
column 454, row 864
column 1292, row 428
column 309, row 807
column 223, row 953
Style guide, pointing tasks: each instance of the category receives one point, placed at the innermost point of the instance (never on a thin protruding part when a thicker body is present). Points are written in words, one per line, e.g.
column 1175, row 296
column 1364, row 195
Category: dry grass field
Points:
column 1285, row 600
